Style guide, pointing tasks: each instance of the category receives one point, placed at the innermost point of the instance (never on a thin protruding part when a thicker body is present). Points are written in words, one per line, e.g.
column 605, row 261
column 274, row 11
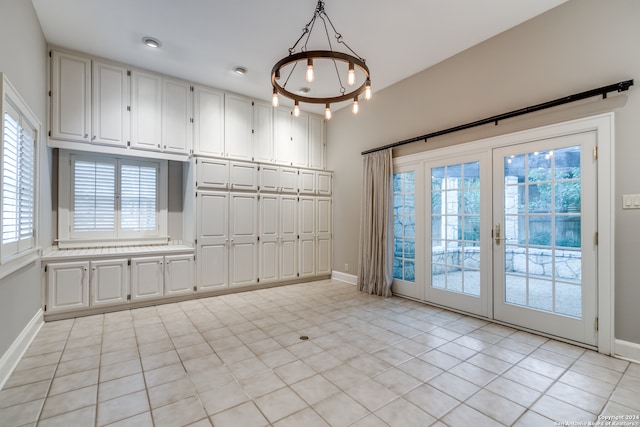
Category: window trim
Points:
column 14, row 261
column 68, row 239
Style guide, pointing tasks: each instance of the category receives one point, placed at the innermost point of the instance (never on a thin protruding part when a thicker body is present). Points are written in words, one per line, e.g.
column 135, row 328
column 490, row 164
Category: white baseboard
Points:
column 10, row 359
column 627, row 350
column 344, row 277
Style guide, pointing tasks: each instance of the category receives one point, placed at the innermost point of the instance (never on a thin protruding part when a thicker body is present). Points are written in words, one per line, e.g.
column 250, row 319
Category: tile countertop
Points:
column 54, row 254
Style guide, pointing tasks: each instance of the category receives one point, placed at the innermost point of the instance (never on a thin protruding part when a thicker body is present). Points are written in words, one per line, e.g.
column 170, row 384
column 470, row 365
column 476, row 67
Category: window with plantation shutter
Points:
column 138, row 197
column 18, row 182
column 111, row 200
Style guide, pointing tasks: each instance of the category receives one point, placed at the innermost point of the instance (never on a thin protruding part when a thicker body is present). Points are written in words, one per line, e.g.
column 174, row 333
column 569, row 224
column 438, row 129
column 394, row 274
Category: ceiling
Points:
column 204, row 40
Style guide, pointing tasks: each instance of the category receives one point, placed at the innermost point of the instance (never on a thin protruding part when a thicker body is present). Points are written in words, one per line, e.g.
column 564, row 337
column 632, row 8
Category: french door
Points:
column 506, row 231
column 544, row 236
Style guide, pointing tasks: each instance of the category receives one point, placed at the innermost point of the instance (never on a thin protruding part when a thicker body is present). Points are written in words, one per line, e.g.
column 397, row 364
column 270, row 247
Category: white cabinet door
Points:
column 282, row 144
column 70, row 97
column 109, row 282
column 324, row 183
column 109, row 101
column 176, row 116
column 243, row 176
column 178, row 274
column 307, row 182
column 147, row 278
column 288, row 228
column 307, row 245
column 212, row 173
column 301, row 140
column 316, row 142
column 288, row 180
column 263, row 131
column 238, row 119
column 208, row 121
column 269, row 237
column 67, row 286
column 243, row 230
column 323, row 235
column 269, row 178
column 212, row 240
column 146, row 107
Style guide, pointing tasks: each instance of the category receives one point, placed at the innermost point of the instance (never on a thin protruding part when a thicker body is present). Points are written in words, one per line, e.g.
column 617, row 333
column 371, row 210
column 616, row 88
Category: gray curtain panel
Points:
column 376, row 230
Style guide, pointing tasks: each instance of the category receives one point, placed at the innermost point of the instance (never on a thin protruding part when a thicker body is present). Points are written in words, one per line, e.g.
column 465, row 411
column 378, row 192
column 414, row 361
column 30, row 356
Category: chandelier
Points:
column 321, row 63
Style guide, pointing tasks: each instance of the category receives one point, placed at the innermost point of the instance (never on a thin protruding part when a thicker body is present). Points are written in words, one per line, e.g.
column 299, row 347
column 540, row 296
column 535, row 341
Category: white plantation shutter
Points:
column 138, row 197
column 114, row 198
column 94, row 196
column 18, row 182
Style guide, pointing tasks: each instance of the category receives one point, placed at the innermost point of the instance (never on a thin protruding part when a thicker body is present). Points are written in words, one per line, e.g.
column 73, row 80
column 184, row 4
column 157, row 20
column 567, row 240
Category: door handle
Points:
column 496, row 235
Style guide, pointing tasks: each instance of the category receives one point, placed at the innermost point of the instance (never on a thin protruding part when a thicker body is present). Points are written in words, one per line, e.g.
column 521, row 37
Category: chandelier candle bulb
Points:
column 296, row 109
column 367, row 90
column 310, row 76
column 274, row 99
column 351, row 75
column 327, row 112
column 355, row 107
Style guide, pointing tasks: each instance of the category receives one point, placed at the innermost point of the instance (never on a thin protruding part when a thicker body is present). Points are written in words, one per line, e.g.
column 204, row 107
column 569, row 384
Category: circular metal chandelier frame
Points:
column 320, row 54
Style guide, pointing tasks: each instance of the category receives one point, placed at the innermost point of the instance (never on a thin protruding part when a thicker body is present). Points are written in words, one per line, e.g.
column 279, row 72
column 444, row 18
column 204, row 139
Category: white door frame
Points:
column 604, row 127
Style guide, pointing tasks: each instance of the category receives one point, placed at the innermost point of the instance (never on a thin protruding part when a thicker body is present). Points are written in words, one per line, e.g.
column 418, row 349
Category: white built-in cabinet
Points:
column 238, row 121
column 68, row 286
column 243, row 239
column 89, row 100
column 264, row 233
column 146, row 110
column 278, row 237
column 212, row 241
column 208, row 112
column 263, row 132
column 72, row 285
column 117, row 106
column 110, row 118
column 158, row 276
column 176, row 116
column 109, row 281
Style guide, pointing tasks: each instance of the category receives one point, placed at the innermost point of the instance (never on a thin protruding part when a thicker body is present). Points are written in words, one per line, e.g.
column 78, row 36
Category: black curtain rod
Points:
column 616, row 87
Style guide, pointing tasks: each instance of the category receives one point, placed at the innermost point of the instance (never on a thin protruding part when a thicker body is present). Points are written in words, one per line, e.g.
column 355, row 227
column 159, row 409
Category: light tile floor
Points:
column 238, row 361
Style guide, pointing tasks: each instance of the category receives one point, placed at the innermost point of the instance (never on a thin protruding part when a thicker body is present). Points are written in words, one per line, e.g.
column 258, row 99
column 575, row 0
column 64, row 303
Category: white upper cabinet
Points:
column 301, row 140
column 282, row 143
column 243, row 176
column 208, row 138
column 176, row 116
column 109, row 105
column 238, row 120
column 324, row 183
column 316, row 142
column 70, row 97
column 307, row 183
column 263, row 132
column 213, row 173
column 146, row 110
column 288, row 180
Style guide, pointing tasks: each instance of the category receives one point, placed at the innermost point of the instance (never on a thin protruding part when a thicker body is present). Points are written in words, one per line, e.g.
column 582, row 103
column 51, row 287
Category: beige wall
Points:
column 23, row 58
column 580, row 45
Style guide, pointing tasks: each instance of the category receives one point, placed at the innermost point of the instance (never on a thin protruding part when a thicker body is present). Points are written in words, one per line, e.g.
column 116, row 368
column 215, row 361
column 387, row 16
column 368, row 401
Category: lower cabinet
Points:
column 77, row 285
column 67, row 285
column 109, row 282
column 157, row 276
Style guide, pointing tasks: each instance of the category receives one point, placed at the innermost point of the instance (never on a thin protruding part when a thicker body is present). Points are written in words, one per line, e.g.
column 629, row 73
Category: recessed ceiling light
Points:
column 151, row 42
column 240, row 70
column 304, row 89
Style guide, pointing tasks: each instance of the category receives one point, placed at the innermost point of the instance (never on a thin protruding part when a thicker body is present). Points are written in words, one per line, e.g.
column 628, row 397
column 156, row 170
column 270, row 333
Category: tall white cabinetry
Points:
column 208, row 105
column 278, row 237
column 212, row 241
column 176, row 116
column 238, row 121
column 89, row 100
column 243, row 234
column 146, row 110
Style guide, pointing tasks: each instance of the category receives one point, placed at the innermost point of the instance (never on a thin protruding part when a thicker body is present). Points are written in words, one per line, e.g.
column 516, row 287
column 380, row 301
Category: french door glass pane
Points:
column 404, row 226
column 455, row 228
column 542, row 229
